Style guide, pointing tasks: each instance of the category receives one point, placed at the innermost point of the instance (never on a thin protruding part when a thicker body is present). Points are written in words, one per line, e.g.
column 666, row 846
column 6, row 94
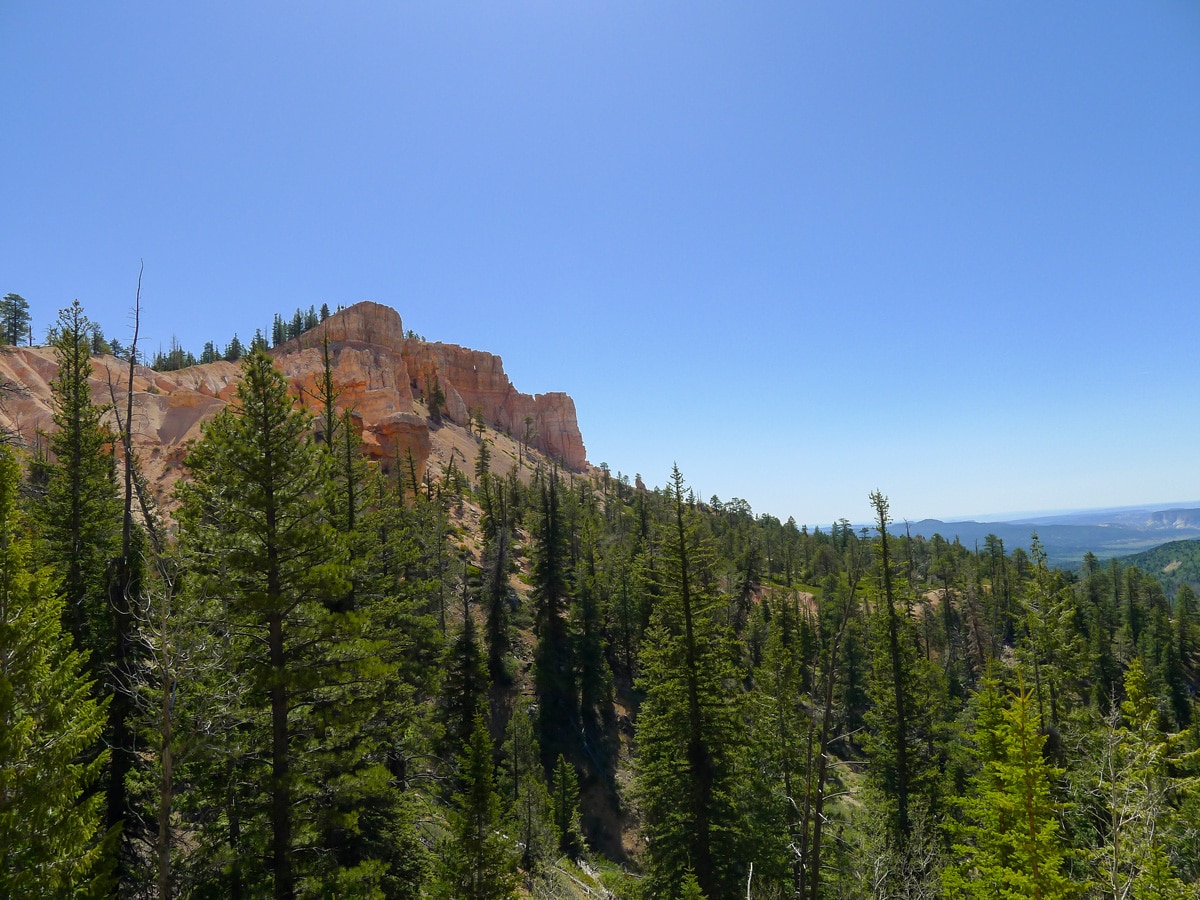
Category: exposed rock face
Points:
column 471, row 380
column 379, row 374
column 475, row 381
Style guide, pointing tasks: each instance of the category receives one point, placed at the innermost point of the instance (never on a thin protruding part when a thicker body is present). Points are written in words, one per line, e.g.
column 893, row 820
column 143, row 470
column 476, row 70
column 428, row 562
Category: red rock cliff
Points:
column 378, row 372
column 475, row 381
column 470, row 379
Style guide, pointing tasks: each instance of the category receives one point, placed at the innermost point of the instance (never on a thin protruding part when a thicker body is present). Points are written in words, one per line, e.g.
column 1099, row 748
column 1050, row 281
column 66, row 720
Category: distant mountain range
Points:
column 1067, row 537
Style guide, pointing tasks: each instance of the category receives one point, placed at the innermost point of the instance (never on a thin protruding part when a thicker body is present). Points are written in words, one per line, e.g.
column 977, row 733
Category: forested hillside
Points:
column 494, row 678
column 1175, row 565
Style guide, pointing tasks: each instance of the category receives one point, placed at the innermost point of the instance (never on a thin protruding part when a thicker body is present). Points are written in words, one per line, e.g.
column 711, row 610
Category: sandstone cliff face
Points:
column 380, row 376
column 404, row 369
column 473, row 380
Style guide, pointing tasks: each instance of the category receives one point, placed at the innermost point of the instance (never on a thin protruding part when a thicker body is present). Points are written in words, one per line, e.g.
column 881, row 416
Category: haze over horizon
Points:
column 944, row 250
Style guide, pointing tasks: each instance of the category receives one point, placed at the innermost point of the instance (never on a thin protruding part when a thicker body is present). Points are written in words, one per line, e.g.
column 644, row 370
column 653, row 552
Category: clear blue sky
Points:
column 804, row 249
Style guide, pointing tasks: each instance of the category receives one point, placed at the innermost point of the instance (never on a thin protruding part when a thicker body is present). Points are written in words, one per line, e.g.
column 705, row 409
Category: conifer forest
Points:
column 306, row 674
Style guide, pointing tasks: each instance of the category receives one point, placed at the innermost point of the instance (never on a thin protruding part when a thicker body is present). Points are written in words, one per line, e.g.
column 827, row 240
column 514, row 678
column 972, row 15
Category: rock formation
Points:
column 474, row 381
column 382, row 377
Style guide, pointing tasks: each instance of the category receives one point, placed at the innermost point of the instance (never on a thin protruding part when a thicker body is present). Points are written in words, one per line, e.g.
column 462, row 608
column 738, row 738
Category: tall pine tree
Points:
column 554, row 667
column 1010, row 844
column 254, row 527
column 691, row 742
column 50, row 816
column 480, row 862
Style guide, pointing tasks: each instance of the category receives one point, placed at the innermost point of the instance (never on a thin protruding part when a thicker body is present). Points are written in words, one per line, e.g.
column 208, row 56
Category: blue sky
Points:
column 805, row 250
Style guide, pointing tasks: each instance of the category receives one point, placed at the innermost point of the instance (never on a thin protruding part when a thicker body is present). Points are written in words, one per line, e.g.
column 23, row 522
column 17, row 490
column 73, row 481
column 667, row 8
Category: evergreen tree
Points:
column 1186, row 632
column 621, row 577
column 1099, row 627
column 480, row 863
column 14, row 319
column 565, row 807
column 80, row 517
column 905, row 696
column 691, row 742
column 464, row 690
column 892, row 757
column 1010, row 844
column 234, row 350
column 483, row 472
column 784, row 732
column 50, row 817
column 436, row 399
column 595, row 676
column 80, row 521
column 554, row 670
column 253, row 525
column 1132, row 774
column 689, row 888
column 327, row 396
column 497, row 561
column 1050, row 640
column 523, row 788
column 178, row 704
column 395, row 585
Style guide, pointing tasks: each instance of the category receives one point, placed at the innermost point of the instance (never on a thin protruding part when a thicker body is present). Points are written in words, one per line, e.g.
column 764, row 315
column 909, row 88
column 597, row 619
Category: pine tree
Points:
column 1186, row 632
column 565, row 806
column 1050, row 640
column 436, row 399
column 177, row 705
column 691, row 742
column 1010, row 845
column 595, row 677
column 496, row 591
column 465, row 684
column 1134, row 779
column 554, row 669
column 81, row 517
column 480, row 862
column 784, row 731
column 50, row 817
column 14, row 319
column 372, row 811
column 523, row 789
column 80, row 522
column 689, row 888
column 253, row 525
column 234, row 350
column 905, row 696
column 892, row 763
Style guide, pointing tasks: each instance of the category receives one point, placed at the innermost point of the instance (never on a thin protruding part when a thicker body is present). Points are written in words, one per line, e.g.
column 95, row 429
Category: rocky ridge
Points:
column 383, row 377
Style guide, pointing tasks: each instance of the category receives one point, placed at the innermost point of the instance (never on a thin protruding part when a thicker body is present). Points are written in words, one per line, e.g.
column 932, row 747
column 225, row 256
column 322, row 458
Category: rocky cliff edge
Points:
column 384, row 378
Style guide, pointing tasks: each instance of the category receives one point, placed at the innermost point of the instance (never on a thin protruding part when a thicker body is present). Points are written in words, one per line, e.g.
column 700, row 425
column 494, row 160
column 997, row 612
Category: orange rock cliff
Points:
column 383, row 377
